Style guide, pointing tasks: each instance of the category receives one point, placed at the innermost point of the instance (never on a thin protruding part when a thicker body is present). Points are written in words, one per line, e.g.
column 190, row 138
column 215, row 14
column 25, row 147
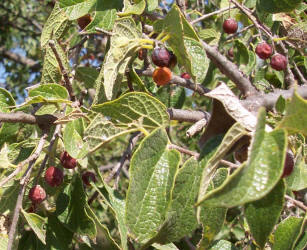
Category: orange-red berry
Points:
column 162, row 76
column 264, row 50
column 279, row 62
column 87, row 177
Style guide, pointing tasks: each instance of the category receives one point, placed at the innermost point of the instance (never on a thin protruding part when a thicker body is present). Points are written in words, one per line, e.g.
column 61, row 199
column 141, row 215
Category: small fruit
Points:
column 173, row 60
column 230, row 26
column 54, row 176
column 87, row 177
column 185, row 75
column 264, row 50
column 37, row 194
column 279, row 62
column 67, row 161
column 288, row 166
column 162, row 76
column 161, row 57
column 230, row 52
column 84, row 21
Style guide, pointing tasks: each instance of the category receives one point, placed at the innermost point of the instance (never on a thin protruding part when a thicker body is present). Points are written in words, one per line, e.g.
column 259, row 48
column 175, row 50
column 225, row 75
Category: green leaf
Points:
column 8, row 196
column 55, row 26
column 87, row 75
column 135, row 108
column 287, row 233
column 117, row 203
column 151, row 5
column 199, row 60
column 77, row 8
column 135, row 8
column 131, row 112
column 232, row 136
column 4, row 159
column 37, row 224
column 181, row 217
column 29, row 241
column 49, row 92
column 258, row 176
column 125, row 41
column 262, row 215
column 276, row 6
column 211, row 36
column 71, row 208
column 6, row 100
column 241, row 55
column 105, row 15
column 110, row 244
column 222, row 245
column 295, row 119
column 4, row 239
column 212, row 219
column 58, row 237
column 72, row 140
column 152, row 174
column 298, row 178
column 302, row 242
column 181, row 35
column 51, row 71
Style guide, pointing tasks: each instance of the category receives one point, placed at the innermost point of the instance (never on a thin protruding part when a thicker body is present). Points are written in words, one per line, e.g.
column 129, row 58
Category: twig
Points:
column 240, row 32
column 297, row 203
column 196, row 127
column 269, row 100
column 229, row 164
column 299, row 74
column 44, row 120
column 104, row 31
column 230, row 70
column 187, row 115
column 23, row 182
column 63, row 71
column 179, row 81
column 211, row 14
column 183, row 150
column 52, row 141
column 116, row 170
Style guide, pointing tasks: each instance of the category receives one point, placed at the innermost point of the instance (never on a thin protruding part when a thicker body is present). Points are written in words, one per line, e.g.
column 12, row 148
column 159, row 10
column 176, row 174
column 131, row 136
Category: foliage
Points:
column 155, row 187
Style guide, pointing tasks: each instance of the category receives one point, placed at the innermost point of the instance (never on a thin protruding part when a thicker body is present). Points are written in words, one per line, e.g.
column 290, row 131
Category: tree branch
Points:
column 33, row 65
column 63, row 71
column 23, row 182
column 230, row 70
column 187, row 115
column 41, row 120
column 211, row 14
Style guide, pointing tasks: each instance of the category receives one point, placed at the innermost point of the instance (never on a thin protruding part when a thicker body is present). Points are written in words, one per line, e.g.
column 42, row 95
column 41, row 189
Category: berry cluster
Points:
column 54, row 177
column 263, row 50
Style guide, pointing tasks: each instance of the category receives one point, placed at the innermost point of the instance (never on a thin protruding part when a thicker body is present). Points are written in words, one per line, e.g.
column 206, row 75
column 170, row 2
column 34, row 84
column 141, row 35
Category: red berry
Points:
column 185, row 75
column 230, row 26
column 162, row 76
column 84, row 21
column 279, row 62
column 161, row 57
column 289, row 165
column 87, row 177
column 67, row 161
column 172, row 61
column 54, row 176
column 37, row 194
column 264, row 50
